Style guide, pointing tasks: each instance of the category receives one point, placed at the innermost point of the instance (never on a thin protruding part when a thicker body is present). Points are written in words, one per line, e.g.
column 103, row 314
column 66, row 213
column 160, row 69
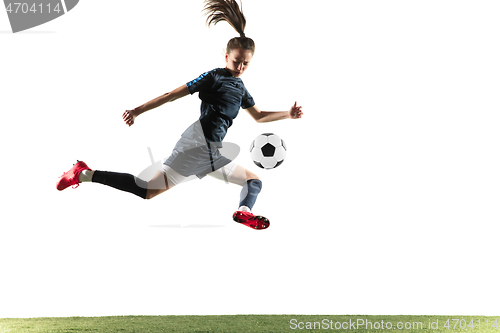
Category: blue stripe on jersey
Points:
column 189, row 84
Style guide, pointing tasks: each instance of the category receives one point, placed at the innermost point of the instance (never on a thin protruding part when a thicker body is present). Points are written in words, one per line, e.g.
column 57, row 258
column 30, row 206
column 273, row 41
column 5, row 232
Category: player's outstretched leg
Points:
column 71, row 177
column 80, row 172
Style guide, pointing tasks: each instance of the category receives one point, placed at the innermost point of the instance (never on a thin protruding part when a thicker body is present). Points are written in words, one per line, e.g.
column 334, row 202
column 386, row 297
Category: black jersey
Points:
column 222, row 95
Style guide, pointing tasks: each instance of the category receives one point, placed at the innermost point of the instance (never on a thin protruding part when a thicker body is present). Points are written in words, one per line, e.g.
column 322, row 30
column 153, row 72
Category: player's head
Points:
column 239, row 48
column 238, row 60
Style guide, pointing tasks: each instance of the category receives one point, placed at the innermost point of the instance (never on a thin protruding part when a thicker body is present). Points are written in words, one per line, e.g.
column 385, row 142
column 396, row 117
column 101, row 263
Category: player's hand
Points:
column 296, row 111
column 129, row 117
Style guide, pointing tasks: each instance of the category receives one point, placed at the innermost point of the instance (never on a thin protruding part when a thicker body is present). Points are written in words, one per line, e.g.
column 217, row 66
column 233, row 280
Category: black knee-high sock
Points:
column 122, row 181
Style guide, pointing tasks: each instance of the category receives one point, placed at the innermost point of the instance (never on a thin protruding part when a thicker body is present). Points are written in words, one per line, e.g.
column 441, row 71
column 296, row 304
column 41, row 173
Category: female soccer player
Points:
column 197, row 154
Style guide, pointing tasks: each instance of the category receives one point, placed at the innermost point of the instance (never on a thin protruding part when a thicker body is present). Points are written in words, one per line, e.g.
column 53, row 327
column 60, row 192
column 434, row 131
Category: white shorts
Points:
column 225, row 173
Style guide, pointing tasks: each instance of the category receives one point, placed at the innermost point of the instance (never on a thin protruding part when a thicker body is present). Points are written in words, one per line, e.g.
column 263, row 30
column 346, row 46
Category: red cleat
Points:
column 250, row 220
column 71, row 177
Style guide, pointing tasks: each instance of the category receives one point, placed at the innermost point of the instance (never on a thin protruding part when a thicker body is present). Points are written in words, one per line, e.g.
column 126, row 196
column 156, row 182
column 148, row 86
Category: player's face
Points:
column 237, row 61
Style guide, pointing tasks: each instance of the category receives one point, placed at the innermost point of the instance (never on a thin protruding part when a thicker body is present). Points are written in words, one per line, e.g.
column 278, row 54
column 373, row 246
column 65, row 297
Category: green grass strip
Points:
column 255, row 323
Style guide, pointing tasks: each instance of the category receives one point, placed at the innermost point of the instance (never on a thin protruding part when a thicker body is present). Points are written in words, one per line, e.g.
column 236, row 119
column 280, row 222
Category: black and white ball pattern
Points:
column 268, row 151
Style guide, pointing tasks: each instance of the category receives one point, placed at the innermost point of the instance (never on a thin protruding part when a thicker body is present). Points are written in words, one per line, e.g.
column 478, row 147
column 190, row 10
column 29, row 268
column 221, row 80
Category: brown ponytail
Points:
column 229, row 11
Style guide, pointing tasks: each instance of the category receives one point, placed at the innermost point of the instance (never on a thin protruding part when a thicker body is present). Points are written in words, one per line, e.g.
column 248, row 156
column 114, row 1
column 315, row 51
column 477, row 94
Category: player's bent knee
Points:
column 251, row 175
column 155, row 189
column 157, row 185
column 150, row 194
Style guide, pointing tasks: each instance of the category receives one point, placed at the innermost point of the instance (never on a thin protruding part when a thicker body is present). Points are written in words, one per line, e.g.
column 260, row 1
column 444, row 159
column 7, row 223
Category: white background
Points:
column 387, row 203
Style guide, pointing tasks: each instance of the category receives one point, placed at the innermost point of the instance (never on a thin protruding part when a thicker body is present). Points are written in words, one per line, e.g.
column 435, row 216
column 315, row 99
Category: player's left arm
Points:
column 295, row 112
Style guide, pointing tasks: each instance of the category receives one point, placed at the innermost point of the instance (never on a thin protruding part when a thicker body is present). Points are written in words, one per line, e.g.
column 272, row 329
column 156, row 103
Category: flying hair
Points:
column 225, row 10
column 229, row 11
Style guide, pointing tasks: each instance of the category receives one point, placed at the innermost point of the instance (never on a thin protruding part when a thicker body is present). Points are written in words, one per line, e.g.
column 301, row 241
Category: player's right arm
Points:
column 130, row 115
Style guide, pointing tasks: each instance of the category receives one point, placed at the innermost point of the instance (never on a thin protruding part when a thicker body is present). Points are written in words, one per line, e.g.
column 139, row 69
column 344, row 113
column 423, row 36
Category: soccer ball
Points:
column 268, row 151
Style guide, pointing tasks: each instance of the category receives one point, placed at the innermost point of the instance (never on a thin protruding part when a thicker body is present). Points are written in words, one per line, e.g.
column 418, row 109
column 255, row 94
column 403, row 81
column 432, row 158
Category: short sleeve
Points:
column 202, row 83
column 247, row 100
